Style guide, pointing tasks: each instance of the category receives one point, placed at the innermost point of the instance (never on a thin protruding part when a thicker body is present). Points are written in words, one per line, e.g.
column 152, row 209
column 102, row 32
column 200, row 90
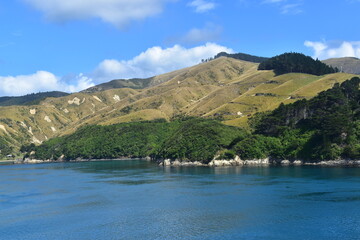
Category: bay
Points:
column 140, row 200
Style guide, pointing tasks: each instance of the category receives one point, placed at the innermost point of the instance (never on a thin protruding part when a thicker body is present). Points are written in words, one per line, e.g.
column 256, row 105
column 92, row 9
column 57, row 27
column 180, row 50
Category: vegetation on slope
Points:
column 30, row 99
column 326, row 127
column 296, row 62
column 243, row 57
column 188, row 139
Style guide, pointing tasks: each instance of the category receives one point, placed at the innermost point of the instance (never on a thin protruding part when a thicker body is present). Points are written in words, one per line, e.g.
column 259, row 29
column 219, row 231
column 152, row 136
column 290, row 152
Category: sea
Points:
column 134, row 199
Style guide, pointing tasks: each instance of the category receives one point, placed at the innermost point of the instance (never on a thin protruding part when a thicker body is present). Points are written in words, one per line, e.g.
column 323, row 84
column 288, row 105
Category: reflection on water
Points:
column 140, row 200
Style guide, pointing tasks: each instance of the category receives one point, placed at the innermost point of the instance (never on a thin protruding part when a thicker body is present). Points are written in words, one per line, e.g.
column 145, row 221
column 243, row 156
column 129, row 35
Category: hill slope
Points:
column 346, row 64
column 30, row 99
column 225, row 88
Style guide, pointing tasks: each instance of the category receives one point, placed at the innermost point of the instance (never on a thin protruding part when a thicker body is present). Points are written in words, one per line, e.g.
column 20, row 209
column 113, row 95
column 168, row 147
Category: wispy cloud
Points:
column 334, row 49
column 287, row 6
column 294, row 8
column 116, row 12
column 202, row 6
column 211, row 32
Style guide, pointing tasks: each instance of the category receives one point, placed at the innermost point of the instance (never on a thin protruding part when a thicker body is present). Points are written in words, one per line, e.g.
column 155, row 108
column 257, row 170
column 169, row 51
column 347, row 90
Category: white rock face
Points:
column 35, row 140
column 33, row 111
column 258, row 162
column 75, row 101
column 46, row 118
column 176, row 163
column 65, row 110
column 167, row 162
column 23, row 124
column 53, row 129
column 30, row 131
column 2, row 127
column 97, row 99
column 298, row 162
column 116, row 98
column 33, row 161
column 222, row 163
column 239, row 113
column 285, row 162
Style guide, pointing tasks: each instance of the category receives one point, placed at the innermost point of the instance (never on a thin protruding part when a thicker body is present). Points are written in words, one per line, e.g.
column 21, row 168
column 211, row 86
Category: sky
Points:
column 70, row 45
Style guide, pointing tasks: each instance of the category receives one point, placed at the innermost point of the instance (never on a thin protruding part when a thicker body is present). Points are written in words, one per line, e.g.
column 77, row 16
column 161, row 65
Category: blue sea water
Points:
column 140, row 200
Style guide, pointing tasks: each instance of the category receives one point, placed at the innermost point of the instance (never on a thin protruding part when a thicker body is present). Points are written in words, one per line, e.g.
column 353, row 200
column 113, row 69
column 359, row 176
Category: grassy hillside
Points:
column 227, row 89
column 326, row 127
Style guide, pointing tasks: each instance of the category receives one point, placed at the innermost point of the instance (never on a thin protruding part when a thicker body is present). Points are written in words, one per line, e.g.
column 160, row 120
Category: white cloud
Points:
column 287, row 6
column 274, row 1
column 117, row 12
column 291, row 8
column 155, row 61
column 202, row 6
column 210, row 32
column 39, row 82
column 332, row 49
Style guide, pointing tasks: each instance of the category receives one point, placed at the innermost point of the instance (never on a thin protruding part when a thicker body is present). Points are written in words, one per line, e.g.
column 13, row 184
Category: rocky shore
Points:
column 258, row 162
column 237, row 161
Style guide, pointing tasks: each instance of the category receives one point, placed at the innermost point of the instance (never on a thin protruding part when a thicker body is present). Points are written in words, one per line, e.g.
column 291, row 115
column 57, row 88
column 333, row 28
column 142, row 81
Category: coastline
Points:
column 37, row 161
column 236, row 162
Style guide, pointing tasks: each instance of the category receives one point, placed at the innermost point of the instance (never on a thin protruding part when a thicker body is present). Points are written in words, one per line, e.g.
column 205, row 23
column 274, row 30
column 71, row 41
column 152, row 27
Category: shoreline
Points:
column 237, row 162
column 37, row 161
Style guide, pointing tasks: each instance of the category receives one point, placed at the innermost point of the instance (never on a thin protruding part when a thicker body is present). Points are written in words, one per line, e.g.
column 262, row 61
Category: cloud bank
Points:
column 117, row 12
column 153, row 61
column 332, row 49
column 41, row 81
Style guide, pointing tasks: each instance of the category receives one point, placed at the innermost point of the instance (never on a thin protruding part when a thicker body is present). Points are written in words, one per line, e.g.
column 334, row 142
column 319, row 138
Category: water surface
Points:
column 139, row 200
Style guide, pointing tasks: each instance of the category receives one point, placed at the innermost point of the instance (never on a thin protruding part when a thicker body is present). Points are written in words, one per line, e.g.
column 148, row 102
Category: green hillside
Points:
column 326, row 127
column 187, row 140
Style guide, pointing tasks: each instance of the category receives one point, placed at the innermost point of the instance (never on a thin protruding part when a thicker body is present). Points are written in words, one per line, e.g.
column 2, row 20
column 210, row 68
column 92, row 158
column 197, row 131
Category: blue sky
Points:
column 70, row 45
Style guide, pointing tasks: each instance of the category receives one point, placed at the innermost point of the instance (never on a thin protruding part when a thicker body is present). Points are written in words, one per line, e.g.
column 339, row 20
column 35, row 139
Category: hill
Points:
column 226, row 89
column 30, row 99
column 325, row 127
column 296, row 62
column 346, row 64
column 185, row 139
column 242, row 56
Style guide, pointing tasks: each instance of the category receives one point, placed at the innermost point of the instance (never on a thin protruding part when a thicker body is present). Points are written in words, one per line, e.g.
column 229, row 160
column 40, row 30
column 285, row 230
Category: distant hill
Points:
column 30, row 99
column 346, row 64
column 243, row 57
